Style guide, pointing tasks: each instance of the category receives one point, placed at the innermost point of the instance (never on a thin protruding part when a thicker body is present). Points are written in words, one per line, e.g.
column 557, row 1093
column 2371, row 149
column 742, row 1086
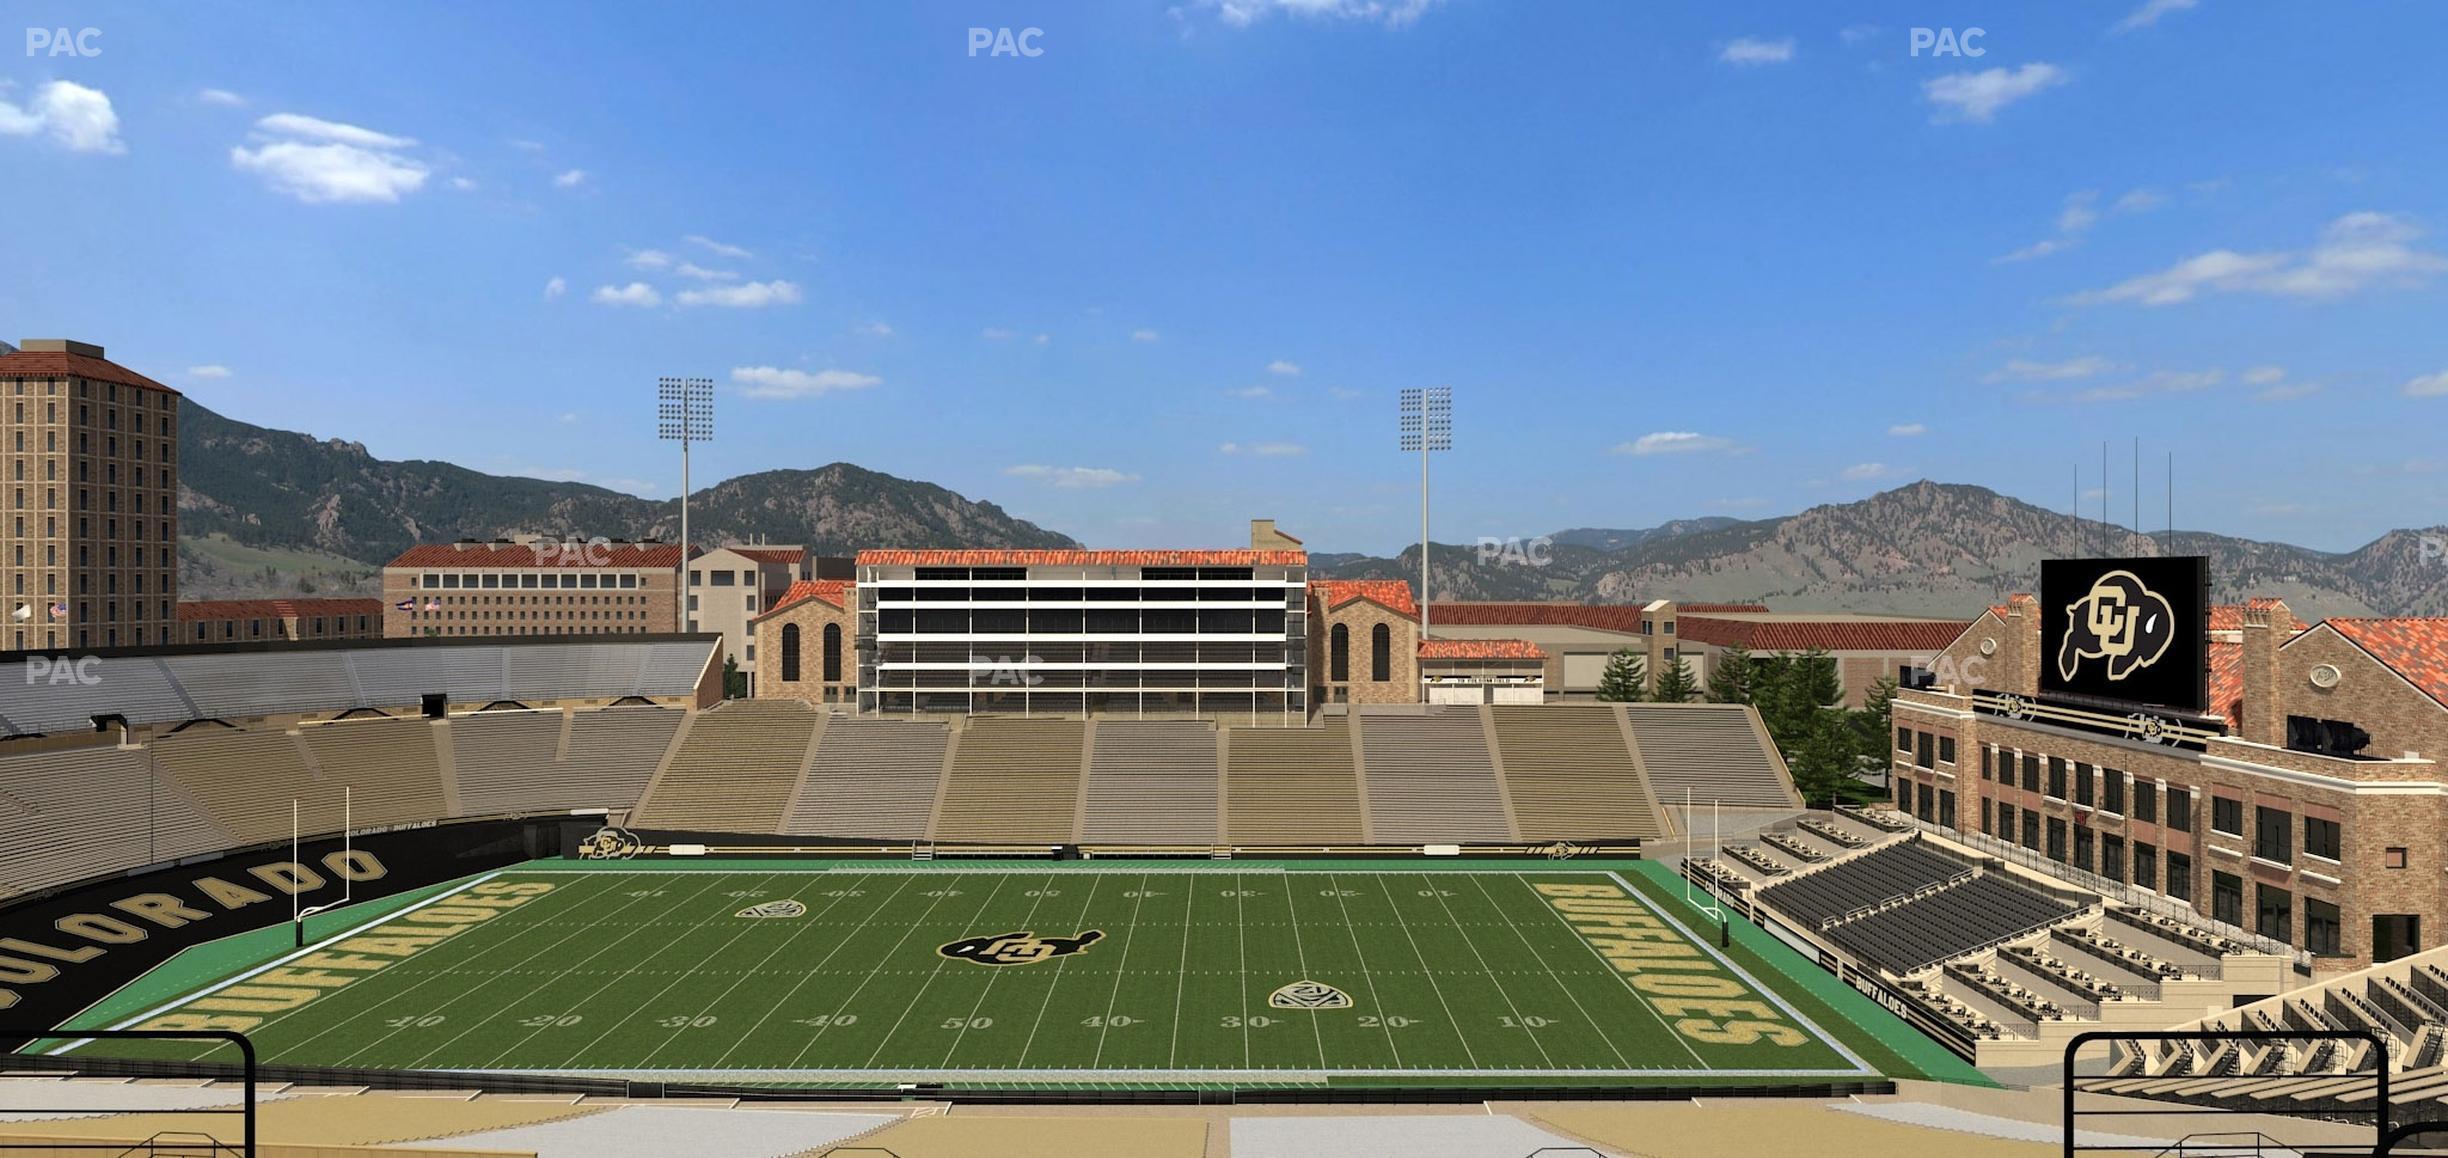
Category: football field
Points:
column 1075, row 974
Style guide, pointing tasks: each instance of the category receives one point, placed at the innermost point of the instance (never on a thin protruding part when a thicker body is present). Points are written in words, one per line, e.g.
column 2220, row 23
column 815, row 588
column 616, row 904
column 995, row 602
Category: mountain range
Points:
column 268, row 512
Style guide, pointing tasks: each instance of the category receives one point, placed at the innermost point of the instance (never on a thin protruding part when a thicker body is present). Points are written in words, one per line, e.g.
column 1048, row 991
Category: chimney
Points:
column 2017, row 663
column 60, row 346
column 2267, row 623
column 1264, row 537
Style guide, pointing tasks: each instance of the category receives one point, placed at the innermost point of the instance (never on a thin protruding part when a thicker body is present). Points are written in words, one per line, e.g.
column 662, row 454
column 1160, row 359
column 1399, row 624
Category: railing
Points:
column 2072, row 1085
column 2118, row 891
column 182, row 1142
column 1905, row 897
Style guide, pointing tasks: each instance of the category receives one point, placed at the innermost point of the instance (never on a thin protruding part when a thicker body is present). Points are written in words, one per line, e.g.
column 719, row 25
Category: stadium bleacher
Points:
column 1571, row 774
column 1712, row 751
column 1013, row 781
column 1867, row 879
column 1152, row 782
column 1948, row 922
column 1290, row 786
column 1430, row 777
column 99, row 809
column 735, row 769
column 245, row 781
column 390, row 765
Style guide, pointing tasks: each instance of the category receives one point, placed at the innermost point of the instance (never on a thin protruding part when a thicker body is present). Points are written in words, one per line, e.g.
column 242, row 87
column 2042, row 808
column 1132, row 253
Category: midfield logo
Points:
column 770, row 909
column 1019, row 948
column 2119, row 620
column 1309, row 995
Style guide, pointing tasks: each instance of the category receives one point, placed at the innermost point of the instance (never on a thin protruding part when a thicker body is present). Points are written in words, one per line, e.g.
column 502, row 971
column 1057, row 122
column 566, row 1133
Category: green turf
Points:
column 1454, row 976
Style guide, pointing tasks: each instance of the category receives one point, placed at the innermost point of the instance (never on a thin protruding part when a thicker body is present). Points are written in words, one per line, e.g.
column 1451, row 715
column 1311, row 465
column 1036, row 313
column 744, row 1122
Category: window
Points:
column 2321, row 927
column 2274, row 835
column 1904, row 739
column 1381, row 653
column 2031, row 772
column 2083, row 842
column 1903, row 794
column 2112, row 791
column 2112, row 857
column 2082, row 784
column 1338, row 653
column 2395, row 935
column 1988, row 758
column 2321, row 840
column 2226, row 898
column 1926, row 746
column 2274, row 913
column 1922, row 807
column 2393, row 857
column 2179, row 876
column 1988, row 817
column 2180, row 808
column 790, row 653
column 2056, row 840
column 2146, row 801
column 832, row 653
column 2031, row 829
column 1946, row 809
column 1946, row 749
column 2056, row 778
column 2227, row 815
column 2145, row 866
column 721, row 579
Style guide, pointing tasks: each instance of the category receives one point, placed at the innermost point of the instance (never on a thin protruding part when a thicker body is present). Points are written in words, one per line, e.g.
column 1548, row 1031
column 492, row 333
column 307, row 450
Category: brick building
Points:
column 1363, row 642
column 2310, row 809
column 810, row 638
column 257, row 620
column 541, row 587
column 89, row 542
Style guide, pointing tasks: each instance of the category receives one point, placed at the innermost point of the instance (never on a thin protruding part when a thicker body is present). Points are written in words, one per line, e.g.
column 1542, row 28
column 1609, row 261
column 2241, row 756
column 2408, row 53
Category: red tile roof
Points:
column 1930, row 636
column 2227, row 659
column 194, row 609
column 509, row 555
column 1624, row 617
column 2230, row 616
column 771, row 554
column 1705, row 608
column 1046, row 558
column 1392, row 594
column 2414, row 648
column 59, row 364
column 833, row 591
column 1479, row 649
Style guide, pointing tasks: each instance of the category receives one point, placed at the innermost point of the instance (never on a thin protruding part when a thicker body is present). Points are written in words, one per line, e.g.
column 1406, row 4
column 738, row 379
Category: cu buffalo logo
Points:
column 2120, row 621
column 1019, row 948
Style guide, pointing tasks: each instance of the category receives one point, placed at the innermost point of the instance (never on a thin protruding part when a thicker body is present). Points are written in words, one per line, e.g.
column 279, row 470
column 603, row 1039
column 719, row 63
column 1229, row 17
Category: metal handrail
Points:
column 245, row 1110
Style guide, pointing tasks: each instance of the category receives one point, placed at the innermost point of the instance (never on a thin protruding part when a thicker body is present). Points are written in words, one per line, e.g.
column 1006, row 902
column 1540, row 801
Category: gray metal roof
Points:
column 49, row 694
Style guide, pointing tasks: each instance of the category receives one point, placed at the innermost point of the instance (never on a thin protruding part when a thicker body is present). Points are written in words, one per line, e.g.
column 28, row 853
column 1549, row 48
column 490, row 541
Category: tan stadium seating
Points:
column 1152, row 782
column 98, row 810
column 872, row 778
column 735, row 769
column 1715, row 751
column 507, row 762
column 245, row 781
column 612, row 753
column 1013, row 781
column 391, row 766
column 1430, row 778
column 1571, row 776
column 1291, row 786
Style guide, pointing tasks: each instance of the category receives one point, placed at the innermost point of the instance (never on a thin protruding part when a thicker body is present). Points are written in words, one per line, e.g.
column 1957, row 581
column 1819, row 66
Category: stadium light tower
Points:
column 1427, row 424
column 684, row 413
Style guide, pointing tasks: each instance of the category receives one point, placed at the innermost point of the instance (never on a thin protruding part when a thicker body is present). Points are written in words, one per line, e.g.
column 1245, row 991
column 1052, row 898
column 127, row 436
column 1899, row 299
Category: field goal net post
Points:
column 1704, row 900
column 298, row 910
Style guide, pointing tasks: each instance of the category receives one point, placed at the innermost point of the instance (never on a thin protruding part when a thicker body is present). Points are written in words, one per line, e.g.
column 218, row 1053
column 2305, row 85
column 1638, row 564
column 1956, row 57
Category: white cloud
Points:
column 570, row 179
column 2023, row 370
column 2150, row 12
column 745, row 296
column 648, row 259
column 2139, row 201
column 2080, row 213
column 996, row 334
column 555, row 288
column 2182, row 381
column 1287, row 369
column 223, row 97
column 1344, row 393
column 1251, row 392
column 1867, row 470
column 874, row 330
column 1264, row 449
column 1042, row 339
column 1674, row 442
column 568, row 418
column 2288, row 391
column 1143, row 335
column 1977, row 96
column 701, row 273
column 321, row 162
column 2041, row 248
column 1856, row 33
column 636, row 293
column 2109, row 394
column 1071, row 477
column 1750, row 50
column 215, row 372
column 464, row 184
column 76, row 118
column 1907, row 430
column 2428, row 386
column 2356, row 252
column 2263, row 375
column 717, row 248
column 773, row 382
column 1243, row 13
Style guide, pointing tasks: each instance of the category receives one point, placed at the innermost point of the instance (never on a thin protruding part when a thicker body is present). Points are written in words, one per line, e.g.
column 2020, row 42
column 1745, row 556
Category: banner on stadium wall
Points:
column 62, row 953
column 2133, row 631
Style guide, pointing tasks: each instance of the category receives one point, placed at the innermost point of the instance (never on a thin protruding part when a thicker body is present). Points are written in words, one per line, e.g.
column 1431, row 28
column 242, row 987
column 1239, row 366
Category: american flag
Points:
column 59, row 611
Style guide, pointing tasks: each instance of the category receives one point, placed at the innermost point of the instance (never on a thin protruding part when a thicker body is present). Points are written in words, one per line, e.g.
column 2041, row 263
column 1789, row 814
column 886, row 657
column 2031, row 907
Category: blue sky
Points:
column 1169, row 274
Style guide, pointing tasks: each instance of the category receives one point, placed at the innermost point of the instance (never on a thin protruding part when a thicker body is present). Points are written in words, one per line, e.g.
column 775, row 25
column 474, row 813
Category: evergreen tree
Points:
column 735, row 681
column 1729, row 682
column 1626, row 678
column 1675, row 684
column 1824, row 760
column 1815, row 681
column 1874, row 724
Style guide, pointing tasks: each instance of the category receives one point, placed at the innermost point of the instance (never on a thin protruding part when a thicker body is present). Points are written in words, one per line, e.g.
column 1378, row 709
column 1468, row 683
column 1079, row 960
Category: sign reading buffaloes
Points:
column 1019, row 948
column 2131, row 630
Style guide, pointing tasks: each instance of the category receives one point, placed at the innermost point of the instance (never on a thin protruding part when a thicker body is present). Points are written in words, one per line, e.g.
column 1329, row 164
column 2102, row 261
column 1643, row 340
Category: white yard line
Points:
column 1120, row 971
column 1430, row 974
column 1456, row 921
column 937, row 971
column 1335, row 881
column 1028, row 923
column 812, row 971
column 1596, row 1025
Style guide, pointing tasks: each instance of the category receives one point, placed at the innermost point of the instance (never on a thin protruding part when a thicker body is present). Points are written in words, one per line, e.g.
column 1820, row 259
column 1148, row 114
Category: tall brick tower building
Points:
column 88, row 501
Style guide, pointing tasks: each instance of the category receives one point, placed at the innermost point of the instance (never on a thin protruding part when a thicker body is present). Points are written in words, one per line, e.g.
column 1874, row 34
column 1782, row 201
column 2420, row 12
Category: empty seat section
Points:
column 1713, row 752
column 391, row 766
column 735, row 769
column 245, row 781
column 872, row 778
column 1430, row 779
column 1152, row 782
column 507, row 762
column 1013, row 782
column 1291, row 786
column 75, row 814
column 1570, row 775
column 612, row 754
column 1948, row 923
column 1863, row 880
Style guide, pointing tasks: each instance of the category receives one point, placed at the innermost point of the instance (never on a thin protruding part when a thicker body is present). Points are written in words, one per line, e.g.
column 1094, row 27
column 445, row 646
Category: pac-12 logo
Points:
column 2120, row 620
column 1309, row 995
column 1019, row 948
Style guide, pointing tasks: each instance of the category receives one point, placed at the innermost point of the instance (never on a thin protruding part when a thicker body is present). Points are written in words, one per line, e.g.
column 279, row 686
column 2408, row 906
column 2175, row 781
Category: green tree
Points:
column 1825, row 760
column 735, row 681
column 1874, row 724
column 1675, row 684
column 1729, row 680
column 1626, row 678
